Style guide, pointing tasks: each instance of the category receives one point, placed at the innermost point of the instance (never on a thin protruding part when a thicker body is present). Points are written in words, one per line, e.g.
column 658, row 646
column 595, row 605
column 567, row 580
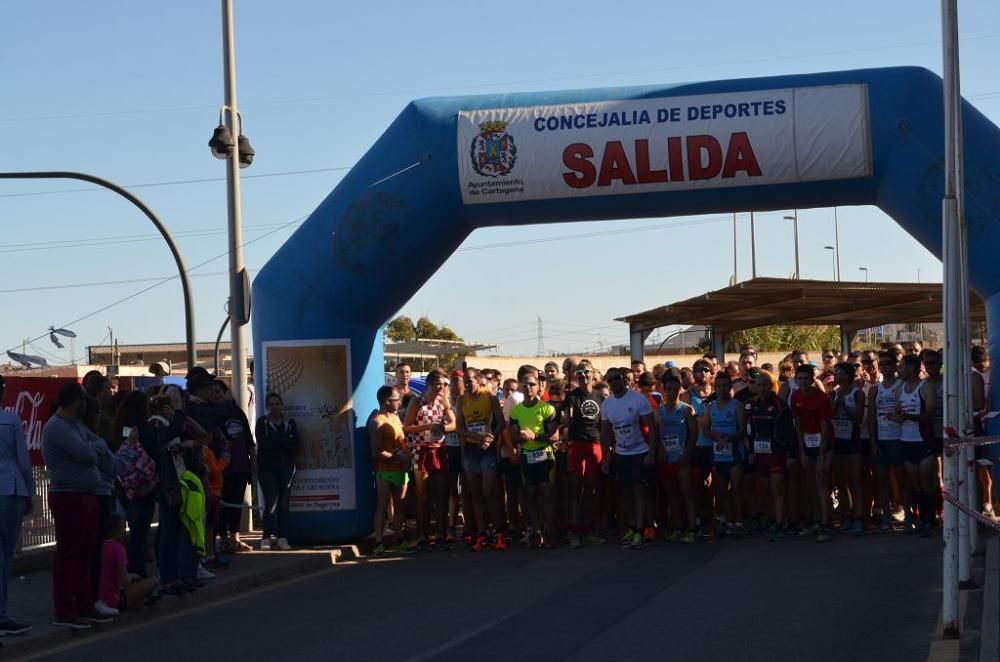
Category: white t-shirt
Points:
column 624, row 415
column 509, row 402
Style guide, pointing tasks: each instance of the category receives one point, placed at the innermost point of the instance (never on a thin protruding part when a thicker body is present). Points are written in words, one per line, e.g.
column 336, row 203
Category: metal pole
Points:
column 237, row 328
column 218, row 342
column 836, row 240
column 952, row 256
column 181, row 268
column 753, row 247
column 795, row 223
column 735, row 269
column 966, row 544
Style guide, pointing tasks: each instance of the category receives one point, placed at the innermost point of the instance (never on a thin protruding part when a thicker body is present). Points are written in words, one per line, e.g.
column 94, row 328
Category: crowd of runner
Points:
column 568, row 455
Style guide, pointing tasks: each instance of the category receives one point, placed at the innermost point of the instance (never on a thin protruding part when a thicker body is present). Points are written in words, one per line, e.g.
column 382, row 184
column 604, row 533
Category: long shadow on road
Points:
column 853, row 599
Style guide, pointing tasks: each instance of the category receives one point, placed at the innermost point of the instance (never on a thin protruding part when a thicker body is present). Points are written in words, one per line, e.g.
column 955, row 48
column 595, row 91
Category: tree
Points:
column 782, row 338
column 401, row 329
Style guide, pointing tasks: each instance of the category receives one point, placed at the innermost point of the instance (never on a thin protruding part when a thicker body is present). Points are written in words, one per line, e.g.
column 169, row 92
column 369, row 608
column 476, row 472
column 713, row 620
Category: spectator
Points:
column 119, row 587
column 235, row 427
column 106, row 485
column 159, row 370
column 17, row 489
column 131, row 417
column 99, row 387
column 71, row 461
column 277, row 440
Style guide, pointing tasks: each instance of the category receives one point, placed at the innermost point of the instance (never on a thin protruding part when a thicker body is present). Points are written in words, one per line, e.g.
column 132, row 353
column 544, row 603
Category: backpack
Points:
column 138, row 475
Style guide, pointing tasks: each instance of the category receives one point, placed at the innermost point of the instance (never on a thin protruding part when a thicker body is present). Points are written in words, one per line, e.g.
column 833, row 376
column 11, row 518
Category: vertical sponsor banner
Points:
column 313, row 378
column 33, row 400
column 664, row 144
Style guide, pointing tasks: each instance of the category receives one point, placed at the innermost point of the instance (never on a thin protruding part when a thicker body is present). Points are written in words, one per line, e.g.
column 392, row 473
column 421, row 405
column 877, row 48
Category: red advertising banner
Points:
column 33, row 400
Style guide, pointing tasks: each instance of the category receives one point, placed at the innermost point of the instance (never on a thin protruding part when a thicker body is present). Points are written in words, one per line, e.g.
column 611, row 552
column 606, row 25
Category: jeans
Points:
column 140, row 517
column 105, row 506
column 275, row 482
column 11, row 513
column 176, row 556
column 75, row 515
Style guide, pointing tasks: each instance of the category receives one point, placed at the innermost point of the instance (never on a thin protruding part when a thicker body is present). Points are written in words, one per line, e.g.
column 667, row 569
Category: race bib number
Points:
column 813, row 440
column 671, row 443
column 723, row 449
column 477, row 428
column 761, row 445
column 843, row 428
column 623, row 436
column 451, row 439
column 535, row 457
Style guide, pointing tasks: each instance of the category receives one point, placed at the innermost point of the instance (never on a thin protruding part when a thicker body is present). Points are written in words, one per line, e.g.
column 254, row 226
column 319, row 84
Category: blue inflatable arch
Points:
column 447, row 166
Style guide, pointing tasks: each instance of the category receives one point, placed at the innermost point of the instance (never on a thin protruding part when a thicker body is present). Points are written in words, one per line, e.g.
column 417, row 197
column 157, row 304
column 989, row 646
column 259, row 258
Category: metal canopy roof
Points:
column 765, row 301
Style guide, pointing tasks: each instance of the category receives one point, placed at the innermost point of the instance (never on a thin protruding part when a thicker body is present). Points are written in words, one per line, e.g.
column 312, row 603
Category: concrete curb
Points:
column 302, row 563
column 989, row 641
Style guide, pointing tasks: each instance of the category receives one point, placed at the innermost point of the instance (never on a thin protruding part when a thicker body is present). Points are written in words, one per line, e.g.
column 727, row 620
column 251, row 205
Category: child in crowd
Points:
column 118, row 587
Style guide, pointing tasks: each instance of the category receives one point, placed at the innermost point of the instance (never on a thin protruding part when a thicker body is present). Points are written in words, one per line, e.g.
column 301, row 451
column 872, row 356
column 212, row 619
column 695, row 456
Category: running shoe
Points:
column 526, row 538
column 637, row 541
column 649, row 534
column 574, row 542
column 10, row 626
column 926, row 530
column 591, row 539
column 283, row 544
column 265, row 544
column 481, row 543
column 501, row 542
column 858, row 528
column 626, row 539
column 809, row 530
column 674, row 536
column 988, row 510
column 380, row 550
column 71, row 623
column 847, row 526
column 824, row 534
column 775, row 534
column 690, row 537
column 909, row 526
column 406, row 547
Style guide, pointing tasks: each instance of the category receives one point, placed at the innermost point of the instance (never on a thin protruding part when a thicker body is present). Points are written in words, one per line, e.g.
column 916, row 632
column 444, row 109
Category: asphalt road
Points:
column 875, row 598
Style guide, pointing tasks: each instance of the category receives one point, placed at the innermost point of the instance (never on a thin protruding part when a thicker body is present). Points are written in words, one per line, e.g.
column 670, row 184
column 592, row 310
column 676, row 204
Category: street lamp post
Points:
column 753, row 247
column 836, row 240
column 864, row 269
column 833, row 257
column 238, row 154
column 795, row 225
column 181, row 267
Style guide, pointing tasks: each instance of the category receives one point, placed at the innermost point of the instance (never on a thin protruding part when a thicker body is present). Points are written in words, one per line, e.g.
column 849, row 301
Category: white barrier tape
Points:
column 990, row 522
column 953, row 440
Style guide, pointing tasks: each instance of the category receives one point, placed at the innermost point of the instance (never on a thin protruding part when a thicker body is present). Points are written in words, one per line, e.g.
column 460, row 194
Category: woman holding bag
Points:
column 277, row 442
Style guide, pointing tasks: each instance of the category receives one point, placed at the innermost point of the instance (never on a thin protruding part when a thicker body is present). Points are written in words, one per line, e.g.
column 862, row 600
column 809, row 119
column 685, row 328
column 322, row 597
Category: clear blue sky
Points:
column 130, row 91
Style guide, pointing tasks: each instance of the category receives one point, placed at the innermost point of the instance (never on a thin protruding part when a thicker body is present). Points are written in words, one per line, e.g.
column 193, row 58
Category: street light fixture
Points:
column 833, row 256
column 221, row 144
column 795, row 221
column 864, row 269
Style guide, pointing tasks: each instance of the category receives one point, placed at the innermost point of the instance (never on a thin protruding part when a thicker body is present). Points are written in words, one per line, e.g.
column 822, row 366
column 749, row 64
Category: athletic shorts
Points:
column 793, row 451
column 890, row 453
column 430, row 461
column 915, row 452
column 477, row 460
column 510, row 472
column 539, row 472
column 584, row 459
column 701, row 459
column 454, row 459
column 632, row 470
column 724, row 468
column 770, row 463
column 395, row 478
column 668, row 470
column 846, row 446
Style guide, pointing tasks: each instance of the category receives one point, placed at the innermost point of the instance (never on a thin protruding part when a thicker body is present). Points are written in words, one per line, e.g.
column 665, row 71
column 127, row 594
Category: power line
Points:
column 161, row 282
column 176, row 182
column 458, row 88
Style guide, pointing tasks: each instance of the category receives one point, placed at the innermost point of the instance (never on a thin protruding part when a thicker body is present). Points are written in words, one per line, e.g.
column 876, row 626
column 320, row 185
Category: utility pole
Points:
column 540, row 348
column 753, row 247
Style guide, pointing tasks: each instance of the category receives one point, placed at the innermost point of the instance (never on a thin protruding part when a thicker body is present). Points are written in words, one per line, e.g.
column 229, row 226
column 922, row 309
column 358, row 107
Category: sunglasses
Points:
column 704, row 370
column 583, row 372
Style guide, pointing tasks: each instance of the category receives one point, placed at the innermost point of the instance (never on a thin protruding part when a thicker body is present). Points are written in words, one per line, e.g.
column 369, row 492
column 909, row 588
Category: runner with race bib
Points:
column 812, row 412
column 724, row 423
column 678, row 434
column 622, row 418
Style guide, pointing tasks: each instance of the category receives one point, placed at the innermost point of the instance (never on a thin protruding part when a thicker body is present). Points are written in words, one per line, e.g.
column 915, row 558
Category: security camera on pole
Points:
column 238, row 154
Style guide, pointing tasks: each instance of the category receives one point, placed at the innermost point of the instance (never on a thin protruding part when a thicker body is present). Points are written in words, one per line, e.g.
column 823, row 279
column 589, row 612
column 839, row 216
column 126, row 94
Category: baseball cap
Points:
column 455, row 374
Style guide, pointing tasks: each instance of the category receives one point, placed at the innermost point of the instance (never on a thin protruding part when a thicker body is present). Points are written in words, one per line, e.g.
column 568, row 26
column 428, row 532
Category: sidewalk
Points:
column 31, row 594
